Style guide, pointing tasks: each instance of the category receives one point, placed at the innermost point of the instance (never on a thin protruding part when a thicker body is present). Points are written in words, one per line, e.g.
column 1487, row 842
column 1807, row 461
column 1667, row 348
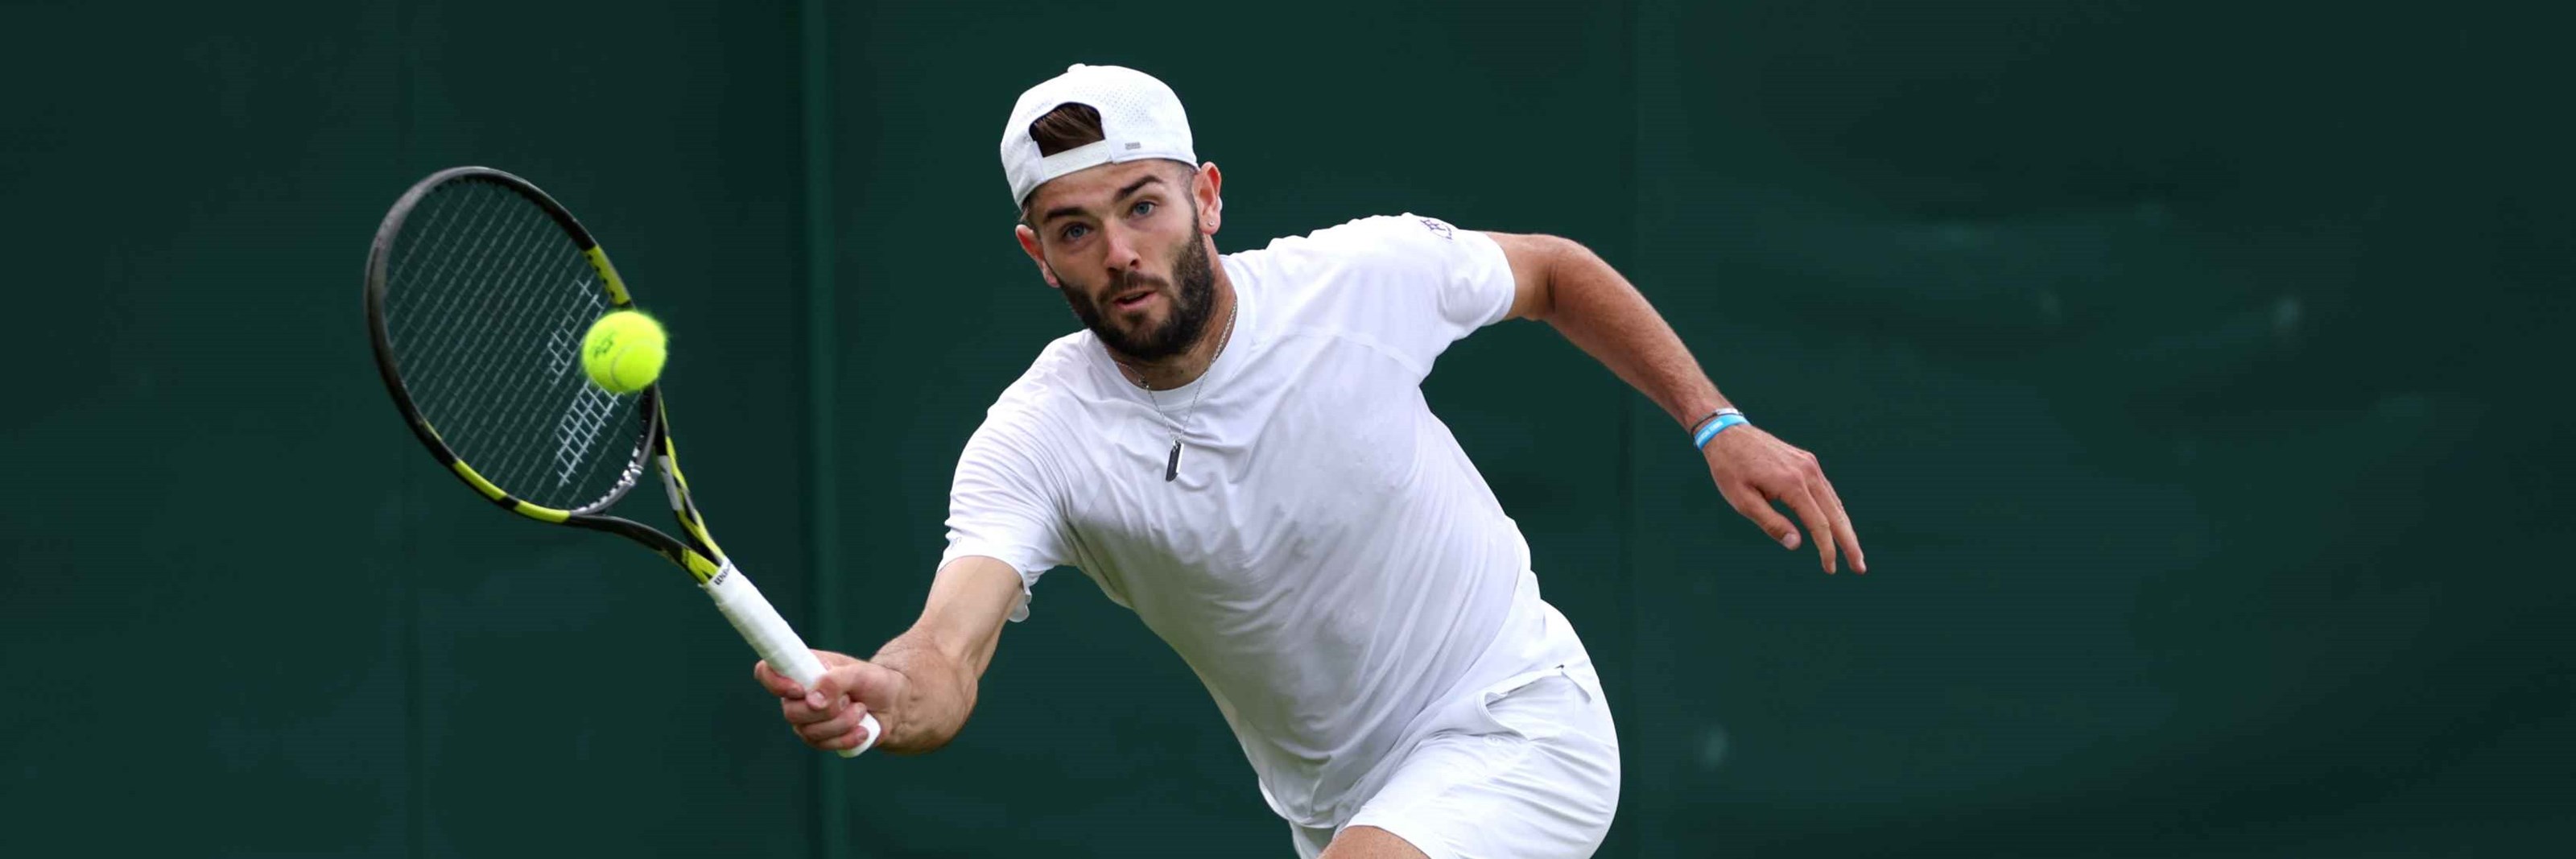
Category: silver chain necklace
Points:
column 1172, row 464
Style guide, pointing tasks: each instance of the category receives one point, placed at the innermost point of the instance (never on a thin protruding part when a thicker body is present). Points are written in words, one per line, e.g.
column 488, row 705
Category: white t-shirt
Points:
column 1328, row 561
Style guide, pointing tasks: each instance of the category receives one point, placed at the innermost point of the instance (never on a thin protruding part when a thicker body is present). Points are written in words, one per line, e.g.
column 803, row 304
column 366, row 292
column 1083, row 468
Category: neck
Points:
column 1186, row 367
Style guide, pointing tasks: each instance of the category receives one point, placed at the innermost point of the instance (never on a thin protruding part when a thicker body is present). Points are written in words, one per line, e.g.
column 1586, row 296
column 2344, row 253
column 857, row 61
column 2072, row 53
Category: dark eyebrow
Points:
column 1063, row 211
column 1150, row 178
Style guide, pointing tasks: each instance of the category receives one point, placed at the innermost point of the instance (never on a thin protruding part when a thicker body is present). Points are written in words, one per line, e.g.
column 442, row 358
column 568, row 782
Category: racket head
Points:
column 479, row 287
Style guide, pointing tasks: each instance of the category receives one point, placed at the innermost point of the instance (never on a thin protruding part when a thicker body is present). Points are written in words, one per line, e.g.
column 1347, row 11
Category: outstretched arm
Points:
column 921, row 685
column 1571, row 288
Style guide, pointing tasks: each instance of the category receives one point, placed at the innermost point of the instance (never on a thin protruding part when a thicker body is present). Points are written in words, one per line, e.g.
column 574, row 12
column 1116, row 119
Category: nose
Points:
column 1123, row 256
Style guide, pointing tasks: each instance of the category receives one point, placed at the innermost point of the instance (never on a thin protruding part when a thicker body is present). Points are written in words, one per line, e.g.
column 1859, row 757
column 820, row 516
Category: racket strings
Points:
column 435, row 378
column 550, row 320
column 509, row 241
column 454, row 264
column 487, row 299
column 445, row 380
column 439, row 376
column 503, row 258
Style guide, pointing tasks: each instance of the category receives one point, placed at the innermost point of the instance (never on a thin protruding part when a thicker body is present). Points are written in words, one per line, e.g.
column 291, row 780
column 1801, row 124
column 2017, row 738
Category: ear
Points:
column 1029, row 245
column 1204, row 187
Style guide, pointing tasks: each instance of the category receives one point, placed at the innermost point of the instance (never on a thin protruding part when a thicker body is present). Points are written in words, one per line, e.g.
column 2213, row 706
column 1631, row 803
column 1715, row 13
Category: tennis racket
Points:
column 479, row 289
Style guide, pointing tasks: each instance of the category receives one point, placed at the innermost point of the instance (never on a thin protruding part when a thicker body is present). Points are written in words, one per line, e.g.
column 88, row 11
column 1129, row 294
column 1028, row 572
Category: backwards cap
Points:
column 1139, row 118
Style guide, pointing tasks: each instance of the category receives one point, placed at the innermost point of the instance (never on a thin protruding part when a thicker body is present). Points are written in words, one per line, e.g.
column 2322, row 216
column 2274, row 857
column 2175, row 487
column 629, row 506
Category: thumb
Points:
column 1750, row 502
column 872, row 684
column 860, row 680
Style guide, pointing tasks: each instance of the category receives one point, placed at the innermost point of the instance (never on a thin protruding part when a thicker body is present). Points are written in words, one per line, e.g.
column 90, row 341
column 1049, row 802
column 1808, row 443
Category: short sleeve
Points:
column 1428, row 284
column 999, row 507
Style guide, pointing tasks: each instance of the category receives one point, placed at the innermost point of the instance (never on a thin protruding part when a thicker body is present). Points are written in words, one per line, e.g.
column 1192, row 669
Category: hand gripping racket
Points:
column 479, row 289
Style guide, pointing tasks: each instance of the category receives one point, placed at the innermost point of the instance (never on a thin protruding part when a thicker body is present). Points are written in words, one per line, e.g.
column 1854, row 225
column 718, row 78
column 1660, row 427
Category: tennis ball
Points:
column 624, row 351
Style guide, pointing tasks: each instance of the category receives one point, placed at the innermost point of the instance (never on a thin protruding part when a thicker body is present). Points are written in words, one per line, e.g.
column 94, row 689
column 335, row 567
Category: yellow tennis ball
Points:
column 624, row 351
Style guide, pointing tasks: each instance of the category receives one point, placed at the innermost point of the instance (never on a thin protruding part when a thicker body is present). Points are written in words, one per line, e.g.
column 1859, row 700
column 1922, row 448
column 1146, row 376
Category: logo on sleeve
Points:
column 1437, row 226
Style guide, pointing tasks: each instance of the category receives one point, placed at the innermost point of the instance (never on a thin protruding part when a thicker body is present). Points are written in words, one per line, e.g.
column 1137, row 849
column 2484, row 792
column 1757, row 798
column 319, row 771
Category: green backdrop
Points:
column 2184, row 366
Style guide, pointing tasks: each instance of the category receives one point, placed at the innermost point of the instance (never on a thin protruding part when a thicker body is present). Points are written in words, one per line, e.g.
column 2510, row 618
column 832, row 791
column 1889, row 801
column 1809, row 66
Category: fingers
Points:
column 803, row 706
column 824, row 722
column 1843, row 532
column 857, row 681
column 1802, row 498
column 849, row 740
column 1752, row 503
column 828, row 715
column 776, row 683
column 812, row 707
column 1755, row 469
column 834, row 686
column 825, row 733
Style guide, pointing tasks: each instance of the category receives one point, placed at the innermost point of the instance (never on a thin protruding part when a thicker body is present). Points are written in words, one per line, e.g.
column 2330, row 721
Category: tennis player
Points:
column 1237, row 448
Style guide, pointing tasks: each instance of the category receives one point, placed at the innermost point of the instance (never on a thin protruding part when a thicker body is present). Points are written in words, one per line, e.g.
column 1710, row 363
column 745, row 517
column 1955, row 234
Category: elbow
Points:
column 1572, row 255
column 1570, row 266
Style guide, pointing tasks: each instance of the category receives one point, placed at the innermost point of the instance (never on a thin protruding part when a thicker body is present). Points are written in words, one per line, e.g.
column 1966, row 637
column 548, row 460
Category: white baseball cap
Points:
column 1139, row 118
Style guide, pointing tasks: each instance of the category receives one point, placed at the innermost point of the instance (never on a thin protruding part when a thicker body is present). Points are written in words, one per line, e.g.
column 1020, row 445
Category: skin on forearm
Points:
column 943, row 657
column 1605, row 316
column 1573, row 289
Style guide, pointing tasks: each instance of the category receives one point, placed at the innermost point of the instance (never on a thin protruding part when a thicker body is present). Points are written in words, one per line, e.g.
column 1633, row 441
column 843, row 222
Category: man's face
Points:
column 1123, row 243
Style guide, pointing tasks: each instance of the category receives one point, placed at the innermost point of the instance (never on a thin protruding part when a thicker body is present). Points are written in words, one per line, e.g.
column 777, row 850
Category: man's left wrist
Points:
column 1717, row 421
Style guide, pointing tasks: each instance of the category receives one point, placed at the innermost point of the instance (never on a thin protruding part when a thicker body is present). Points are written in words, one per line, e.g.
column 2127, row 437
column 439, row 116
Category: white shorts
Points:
column 1529, row 769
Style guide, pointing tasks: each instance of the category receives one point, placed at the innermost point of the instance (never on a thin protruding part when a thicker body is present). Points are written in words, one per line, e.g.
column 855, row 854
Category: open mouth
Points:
column 1132, row 300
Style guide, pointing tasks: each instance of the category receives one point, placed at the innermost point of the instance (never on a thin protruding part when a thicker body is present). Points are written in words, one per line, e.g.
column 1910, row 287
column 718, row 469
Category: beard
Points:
column 1191, row 306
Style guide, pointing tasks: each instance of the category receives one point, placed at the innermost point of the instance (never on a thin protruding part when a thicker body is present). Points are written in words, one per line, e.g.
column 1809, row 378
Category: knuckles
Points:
column 798, row 713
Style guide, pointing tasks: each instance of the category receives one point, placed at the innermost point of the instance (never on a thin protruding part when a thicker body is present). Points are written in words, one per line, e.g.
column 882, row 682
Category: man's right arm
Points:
column 921, row 685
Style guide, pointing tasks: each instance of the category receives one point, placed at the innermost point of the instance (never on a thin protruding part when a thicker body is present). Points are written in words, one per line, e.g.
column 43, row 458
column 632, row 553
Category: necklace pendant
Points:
column 1172, row 467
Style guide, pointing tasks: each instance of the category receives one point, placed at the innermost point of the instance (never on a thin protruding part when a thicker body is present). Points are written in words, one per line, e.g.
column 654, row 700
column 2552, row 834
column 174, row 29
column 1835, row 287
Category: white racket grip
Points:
column 777, row 643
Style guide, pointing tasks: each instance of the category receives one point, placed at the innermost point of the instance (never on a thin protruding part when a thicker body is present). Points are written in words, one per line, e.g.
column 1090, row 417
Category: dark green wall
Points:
column 242, row 614
column 2184, row 365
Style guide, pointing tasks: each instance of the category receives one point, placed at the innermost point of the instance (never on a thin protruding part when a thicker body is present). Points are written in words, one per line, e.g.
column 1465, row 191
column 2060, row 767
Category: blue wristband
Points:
column 1714, row 427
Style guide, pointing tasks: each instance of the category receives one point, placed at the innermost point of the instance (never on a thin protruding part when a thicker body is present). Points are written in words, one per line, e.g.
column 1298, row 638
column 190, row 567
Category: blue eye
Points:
column 1074, row 231
column 1142, row 209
